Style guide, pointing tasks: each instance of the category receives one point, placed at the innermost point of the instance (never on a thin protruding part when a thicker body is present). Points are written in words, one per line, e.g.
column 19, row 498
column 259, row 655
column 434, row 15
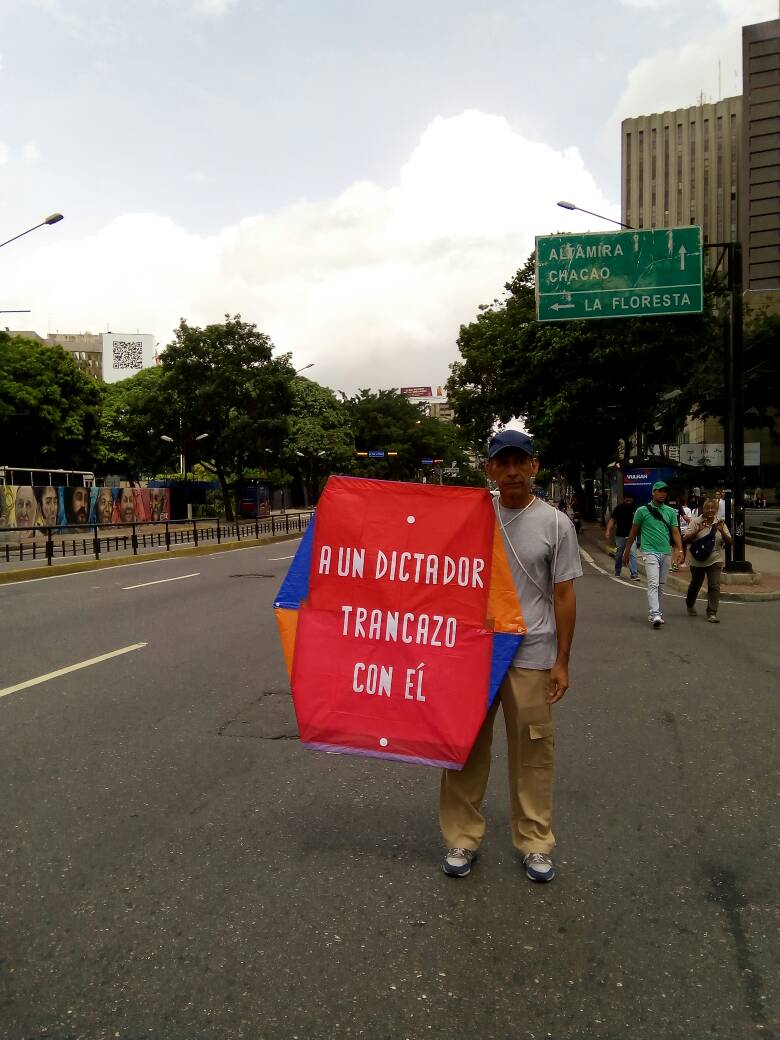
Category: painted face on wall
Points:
column 156, row 503
column 80, row 505
column 104, row 506
column 25, row 507
column 49, row 506
column 126, row 506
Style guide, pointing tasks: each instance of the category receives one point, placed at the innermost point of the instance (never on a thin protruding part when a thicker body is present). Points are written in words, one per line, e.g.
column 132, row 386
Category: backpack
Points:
column 701, row 548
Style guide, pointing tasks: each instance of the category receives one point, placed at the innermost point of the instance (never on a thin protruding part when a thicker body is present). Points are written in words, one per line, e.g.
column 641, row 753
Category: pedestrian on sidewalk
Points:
column 619, row 523
column 657, row 527
column 684, row 517
column 544, row 558
column 699, row 529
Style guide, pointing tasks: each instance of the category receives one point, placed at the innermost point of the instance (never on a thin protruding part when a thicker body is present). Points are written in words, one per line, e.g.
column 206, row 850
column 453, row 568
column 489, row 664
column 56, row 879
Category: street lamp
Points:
column 734, row 425
column 570, row 205
column 299, row 370
column 182, row 463
column 53, row 218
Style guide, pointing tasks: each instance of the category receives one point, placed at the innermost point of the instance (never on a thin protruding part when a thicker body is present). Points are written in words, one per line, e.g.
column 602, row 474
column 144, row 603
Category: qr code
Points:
column 127, row 353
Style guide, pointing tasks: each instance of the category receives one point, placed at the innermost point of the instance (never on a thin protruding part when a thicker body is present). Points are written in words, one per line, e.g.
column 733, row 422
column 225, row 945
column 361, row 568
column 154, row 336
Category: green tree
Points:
column 223, row 381
column 761, row 375
column 581, row 387
column 388, row 421
column 48, row 406
column 320, row 439
column 133, row 416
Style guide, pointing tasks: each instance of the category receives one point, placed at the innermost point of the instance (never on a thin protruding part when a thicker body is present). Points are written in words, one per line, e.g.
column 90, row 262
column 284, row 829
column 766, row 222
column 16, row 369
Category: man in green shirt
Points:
column 656, row 524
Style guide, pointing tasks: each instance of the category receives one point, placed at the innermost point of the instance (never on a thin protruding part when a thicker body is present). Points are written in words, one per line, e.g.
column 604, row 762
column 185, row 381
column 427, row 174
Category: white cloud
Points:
column 710, row 66
column 212, row 8
column 5, row 151
column 31, row 152
column 371, row 286
column 653, row 4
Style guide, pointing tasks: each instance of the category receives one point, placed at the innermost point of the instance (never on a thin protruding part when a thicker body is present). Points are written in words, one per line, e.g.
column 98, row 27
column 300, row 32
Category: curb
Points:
column 75, row 567
column 681, row 584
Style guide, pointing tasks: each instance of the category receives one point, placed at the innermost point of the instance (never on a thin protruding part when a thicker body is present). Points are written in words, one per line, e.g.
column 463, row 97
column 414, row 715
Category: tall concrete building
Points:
column 85, row 348
column 760, row 196
column 683, row 167
column 717, row 165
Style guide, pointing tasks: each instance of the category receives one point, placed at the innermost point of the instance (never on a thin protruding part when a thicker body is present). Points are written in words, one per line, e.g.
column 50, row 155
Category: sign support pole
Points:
column 736, row 407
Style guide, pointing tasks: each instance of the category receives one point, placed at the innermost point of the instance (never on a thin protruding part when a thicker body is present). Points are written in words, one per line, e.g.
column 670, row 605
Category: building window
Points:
column 666, row 174
column 641, row 178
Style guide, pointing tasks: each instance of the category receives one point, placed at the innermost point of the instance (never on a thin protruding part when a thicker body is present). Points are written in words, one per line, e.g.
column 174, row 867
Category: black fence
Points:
column 51, row 544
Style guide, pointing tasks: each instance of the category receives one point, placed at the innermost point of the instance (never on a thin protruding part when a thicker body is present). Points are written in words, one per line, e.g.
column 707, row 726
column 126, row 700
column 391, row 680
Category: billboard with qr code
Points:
column 125, row 354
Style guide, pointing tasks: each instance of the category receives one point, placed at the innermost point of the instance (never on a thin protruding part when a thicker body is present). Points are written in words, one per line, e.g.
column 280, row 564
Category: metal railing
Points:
column 56, row 543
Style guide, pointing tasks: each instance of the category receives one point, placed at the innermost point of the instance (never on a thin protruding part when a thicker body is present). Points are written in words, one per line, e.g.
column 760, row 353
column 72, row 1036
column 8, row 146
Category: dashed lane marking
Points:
column 70, row 668
column 160, row 581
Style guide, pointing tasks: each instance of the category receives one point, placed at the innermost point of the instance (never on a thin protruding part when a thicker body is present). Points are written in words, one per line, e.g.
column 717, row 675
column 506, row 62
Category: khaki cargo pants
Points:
column 530, row 741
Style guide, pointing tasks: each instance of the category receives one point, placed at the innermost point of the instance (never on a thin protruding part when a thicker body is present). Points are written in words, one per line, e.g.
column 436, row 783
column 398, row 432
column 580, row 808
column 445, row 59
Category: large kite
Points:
column 398, row 619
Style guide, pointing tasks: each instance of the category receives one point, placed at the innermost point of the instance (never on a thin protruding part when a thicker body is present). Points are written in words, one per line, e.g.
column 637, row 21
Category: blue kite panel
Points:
column 504, row 649
column 295, row 587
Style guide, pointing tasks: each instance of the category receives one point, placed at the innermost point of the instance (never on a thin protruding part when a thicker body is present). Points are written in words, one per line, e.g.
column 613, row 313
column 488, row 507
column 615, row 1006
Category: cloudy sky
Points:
column 355, row 176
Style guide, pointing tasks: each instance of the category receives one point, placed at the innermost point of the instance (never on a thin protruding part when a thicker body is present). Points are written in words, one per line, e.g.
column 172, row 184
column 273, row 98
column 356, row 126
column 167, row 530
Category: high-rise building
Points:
column 683, row 167
column 760, row 196
column 85, row 348
column 717, row 165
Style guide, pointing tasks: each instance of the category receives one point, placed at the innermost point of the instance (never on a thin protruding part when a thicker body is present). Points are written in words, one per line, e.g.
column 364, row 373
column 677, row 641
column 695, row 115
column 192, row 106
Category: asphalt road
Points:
column 174, row 865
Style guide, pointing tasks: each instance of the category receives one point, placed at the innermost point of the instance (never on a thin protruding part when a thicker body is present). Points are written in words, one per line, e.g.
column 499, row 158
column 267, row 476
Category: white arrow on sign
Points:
column 636, row 243
column 562, row 306
column 682, row 252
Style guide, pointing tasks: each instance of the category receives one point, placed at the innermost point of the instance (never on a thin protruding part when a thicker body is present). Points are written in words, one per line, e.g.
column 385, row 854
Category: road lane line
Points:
column 643, row 588
column 160, row 581
column 276, row 559
column 245, row 548
column 71, row 668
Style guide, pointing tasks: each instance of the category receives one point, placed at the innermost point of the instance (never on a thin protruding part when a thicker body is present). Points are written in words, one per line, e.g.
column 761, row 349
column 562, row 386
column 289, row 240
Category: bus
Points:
column 19, row 475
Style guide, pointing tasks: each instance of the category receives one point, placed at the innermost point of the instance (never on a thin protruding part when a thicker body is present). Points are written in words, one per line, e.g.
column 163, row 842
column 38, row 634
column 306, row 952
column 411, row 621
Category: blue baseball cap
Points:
column 510, row 439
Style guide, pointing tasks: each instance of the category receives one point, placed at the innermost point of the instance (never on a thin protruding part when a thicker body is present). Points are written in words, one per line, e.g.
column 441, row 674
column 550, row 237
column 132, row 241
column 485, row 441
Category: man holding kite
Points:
column 541, row 546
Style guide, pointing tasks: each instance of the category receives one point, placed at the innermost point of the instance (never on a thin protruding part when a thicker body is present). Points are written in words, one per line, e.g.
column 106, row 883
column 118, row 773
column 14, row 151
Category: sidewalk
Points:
column 766, row 564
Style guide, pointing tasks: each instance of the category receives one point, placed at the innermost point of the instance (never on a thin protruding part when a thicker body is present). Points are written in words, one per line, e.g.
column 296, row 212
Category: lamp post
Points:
column 299, row 370
column 182, row 460
column 312, row 457
column 570, row 205
column 53, row 218
column 734, row 425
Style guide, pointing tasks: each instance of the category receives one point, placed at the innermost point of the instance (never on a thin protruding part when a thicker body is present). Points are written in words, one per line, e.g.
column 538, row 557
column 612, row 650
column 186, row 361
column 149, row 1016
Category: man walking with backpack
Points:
column 658, row 530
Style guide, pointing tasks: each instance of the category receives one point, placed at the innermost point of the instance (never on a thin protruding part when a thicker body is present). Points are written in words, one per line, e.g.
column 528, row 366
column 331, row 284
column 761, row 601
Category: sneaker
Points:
column 713, row 619
column 635, row 577
column 539, row 866
column 457, row 862
column 657, row 621
column 692, row 611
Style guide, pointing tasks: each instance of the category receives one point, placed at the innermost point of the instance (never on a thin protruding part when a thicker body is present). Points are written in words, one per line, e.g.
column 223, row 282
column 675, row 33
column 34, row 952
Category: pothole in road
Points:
column 252, row 575
column 270, row 716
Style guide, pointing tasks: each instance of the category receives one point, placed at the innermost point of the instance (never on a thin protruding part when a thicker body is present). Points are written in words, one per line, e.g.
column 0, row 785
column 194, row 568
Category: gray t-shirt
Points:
column 534, row 533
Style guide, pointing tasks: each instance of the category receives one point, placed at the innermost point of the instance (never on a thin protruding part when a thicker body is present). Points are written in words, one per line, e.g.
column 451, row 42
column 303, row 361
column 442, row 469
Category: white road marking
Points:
column 91, row 570
column 70, row 668
column 276, row 559
column 643, row 588
column 20, row 582
column 589, row 559
column 160, row 581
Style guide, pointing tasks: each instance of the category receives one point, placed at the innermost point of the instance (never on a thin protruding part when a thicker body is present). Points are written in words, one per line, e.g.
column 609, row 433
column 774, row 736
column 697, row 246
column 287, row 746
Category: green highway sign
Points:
column 619, row 274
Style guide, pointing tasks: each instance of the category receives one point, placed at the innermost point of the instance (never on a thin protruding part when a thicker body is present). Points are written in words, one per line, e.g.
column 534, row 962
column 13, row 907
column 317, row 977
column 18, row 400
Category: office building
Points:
column 760, row 195
column 85, row 348
column 683, row 167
